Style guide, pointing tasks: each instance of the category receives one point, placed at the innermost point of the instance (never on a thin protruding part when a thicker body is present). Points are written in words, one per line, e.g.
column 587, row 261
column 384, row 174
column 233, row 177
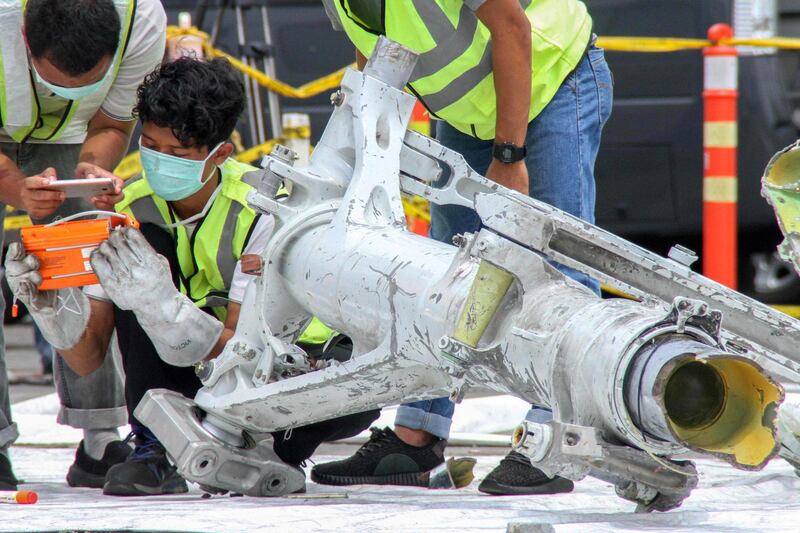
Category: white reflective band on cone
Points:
column 721, row 73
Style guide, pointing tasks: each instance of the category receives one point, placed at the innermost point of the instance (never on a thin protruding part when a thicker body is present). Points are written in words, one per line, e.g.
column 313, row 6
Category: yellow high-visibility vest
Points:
column 453, row 77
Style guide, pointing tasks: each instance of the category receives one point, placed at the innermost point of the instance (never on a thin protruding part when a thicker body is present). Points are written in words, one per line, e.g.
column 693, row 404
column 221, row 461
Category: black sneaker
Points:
column 145, row 472
column 89, row 472
column 383, row 460
column 516, row 475
column 8, row 481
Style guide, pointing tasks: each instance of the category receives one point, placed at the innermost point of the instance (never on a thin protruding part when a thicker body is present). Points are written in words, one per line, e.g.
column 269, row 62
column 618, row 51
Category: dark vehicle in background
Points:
column 650, row 167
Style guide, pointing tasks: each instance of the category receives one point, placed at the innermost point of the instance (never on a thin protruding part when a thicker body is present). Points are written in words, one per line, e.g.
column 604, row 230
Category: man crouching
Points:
column 173, row 289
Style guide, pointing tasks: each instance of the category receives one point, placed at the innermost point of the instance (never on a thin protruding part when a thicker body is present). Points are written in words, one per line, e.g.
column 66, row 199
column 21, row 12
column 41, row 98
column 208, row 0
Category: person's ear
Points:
column 222, row 153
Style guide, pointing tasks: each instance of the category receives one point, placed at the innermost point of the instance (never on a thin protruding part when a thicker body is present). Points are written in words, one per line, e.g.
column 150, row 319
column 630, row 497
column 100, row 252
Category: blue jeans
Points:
column 562, row 143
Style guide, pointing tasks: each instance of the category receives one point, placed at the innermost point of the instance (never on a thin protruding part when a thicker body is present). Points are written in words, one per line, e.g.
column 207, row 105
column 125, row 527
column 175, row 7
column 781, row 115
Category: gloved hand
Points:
column 61, row 314
column 137, row 278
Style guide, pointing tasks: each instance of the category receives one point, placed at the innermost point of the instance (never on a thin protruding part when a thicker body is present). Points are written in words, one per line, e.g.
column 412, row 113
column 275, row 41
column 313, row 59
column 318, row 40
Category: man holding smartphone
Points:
column 173, row 290
column 70, row 69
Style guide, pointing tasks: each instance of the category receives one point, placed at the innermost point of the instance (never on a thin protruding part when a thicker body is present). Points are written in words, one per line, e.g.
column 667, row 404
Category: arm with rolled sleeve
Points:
column 110, row 130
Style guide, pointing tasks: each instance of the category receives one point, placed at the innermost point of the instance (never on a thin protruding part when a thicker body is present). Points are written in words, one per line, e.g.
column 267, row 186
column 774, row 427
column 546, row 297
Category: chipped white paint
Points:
column 342, row 253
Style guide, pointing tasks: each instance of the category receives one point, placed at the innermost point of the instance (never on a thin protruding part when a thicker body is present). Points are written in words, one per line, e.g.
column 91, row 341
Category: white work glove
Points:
column 61, row 314
column 137, row 278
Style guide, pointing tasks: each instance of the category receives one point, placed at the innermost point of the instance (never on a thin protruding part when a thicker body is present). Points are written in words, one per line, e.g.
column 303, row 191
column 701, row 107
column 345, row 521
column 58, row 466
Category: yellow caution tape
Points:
column 783, row 43
column 791, row 310
column 308, row 90
column 300, row 132
column 612, row 44
column 254, row 154
column 669, row 44
column 650, row 44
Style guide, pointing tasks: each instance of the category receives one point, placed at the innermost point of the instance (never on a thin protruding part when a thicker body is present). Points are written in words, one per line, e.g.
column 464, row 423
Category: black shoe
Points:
column 8, row 481
column 145, row 472
column 295, row 446
column 516, row 475
column 383, row 460
column 89, row 472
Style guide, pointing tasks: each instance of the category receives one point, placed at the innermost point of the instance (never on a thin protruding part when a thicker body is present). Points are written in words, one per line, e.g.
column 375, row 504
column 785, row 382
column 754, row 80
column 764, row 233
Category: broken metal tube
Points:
column 682, row 391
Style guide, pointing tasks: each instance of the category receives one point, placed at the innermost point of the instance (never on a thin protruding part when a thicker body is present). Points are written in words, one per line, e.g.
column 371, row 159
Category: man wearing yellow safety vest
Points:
column 68, row 76
column 173, row 290
column 522, row 92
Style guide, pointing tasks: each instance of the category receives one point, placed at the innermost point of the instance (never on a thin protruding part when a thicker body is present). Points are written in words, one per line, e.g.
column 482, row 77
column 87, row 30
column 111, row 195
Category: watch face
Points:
column 508, row 153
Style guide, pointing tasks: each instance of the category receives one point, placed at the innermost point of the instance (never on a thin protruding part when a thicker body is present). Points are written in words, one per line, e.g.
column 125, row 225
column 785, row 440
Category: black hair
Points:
column 74, row 35
column 200, row 101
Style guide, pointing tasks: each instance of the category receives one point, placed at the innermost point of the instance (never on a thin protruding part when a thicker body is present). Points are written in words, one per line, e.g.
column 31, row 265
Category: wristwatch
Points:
column 509, row 152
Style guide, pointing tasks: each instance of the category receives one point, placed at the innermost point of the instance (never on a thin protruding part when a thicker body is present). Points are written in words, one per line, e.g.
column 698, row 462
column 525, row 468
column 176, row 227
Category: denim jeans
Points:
column 95, row 401
column 562, row 143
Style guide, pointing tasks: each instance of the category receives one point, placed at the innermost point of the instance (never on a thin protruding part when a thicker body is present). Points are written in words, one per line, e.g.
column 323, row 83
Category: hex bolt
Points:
column 258, row 373
column 337, row 98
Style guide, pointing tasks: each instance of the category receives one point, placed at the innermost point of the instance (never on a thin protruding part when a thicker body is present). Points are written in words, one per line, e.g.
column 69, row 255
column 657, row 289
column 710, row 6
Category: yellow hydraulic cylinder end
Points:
column 726, row 406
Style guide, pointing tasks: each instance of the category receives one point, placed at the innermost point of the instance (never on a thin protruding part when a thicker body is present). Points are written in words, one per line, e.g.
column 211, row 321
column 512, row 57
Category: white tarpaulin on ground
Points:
column 726, row 500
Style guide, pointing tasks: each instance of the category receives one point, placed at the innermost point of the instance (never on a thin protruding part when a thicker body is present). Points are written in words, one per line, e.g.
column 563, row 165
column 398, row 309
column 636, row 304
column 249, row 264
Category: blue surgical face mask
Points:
column 173, row 178
column 72, row 93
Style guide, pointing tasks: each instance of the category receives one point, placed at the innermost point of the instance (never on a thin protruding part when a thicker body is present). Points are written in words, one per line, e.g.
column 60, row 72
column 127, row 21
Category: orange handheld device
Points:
column 63, row 247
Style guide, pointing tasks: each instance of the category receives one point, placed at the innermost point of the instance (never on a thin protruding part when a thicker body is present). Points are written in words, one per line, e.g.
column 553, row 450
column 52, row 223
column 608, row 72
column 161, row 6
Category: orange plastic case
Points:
column 63, row 250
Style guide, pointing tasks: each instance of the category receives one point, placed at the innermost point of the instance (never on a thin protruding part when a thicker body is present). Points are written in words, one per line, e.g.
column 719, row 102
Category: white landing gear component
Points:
column 217, row 456
column 428, row 320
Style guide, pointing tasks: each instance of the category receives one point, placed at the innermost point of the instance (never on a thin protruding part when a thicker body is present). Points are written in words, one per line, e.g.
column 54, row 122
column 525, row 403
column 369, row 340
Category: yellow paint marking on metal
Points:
column 485, row 294
column 722, row 189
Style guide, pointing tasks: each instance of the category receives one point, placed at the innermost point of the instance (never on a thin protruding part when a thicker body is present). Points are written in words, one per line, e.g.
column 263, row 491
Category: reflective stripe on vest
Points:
column 22, row 121
column 453, row 76
column 316, row 333
column 208, row 258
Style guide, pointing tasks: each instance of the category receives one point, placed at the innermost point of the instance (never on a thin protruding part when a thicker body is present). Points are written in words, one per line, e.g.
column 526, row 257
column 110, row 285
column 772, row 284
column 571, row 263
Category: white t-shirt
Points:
column 144, row 53
column 256, row 246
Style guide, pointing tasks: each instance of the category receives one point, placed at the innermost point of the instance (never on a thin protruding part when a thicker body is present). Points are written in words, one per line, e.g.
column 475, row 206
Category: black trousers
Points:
column 145, row 370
